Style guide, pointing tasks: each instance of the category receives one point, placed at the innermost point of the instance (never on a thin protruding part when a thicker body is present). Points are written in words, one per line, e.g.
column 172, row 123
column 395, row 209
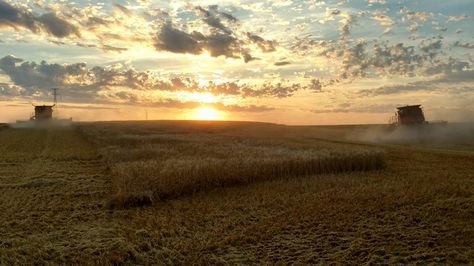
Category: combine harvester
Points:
column 411, row 116
column 43, row 116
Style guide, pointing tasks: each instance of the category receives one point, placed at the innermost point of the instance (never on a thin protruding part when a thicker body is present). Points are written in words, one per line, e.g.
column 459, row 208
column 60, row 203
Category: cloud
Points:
column 464, row 45
column 414, row 27
column 264, row 45
column 217, row 44
column 346, row 22
column 177, row 41
column 211, row 18
column 352, row 108
column 381, row 58
column 244, row 108
column 222, row 44
column 56, row 26
column 441, row 83
column 223, row 36
column 107, row 86
column 50, row 23
column 83, row 84
column 458, row 18
column 415, row 15
column 383, row 19
column 106, row 48
column 430, row 46
column 87, row 107
column 376, row 1
column 16, row 17
column 123, row 9
column 42, row 75
column 282, row 63
column 391, row 89
column 124, row 97
column 8, row 90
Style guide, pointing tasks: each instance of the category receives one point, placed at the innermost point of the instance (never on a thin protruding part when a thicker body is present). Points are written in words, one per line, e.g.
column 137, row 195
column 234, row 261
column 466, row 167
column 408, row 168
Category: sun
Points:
column 207, row 113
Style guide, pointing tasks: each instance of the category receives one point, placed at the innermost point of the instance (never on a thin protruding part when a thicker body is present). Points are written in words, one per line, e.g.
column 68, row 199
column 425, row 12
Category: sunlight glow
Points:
column 207, row 113
column 198, row 97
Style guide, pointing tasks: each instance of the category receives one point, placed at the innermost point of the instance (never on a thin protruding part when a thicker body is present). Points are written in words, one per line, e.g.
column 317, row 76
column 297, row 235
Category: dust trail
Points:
column 43, row 124
column 432, row 134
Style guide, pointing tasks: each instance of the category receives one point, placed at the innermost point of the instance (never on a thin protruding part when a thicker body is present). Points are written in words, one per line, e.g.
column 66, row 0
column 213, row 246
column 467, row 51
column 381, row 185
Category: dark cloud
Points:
column 85, row 45
column 44, row 75
column 222, row 44
column 282, row 63
column 177, row 41
column 93, row 22
column 264, row 45
column 430, row 46
column 228, row 16
column 107, row 48
column 443, row 66
column 217, row 44
column 50, row 23
column 8, row 90
column 57, row 42
column 315, row 85
column 56, row 26
column 16, row 17
column 123, row 9
column 222, row 39
column 212, row 18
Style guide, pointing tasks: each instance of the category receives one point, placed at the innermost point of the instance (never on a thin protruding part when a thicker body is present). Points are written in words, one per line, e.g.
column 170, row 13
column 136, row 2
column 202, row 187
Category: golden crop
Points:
column 151, row 166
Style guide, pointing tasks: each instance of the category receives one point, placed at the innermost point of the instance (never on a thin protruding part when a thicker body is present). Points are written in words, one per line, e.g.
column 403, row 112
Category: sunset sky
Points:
column 282, row 61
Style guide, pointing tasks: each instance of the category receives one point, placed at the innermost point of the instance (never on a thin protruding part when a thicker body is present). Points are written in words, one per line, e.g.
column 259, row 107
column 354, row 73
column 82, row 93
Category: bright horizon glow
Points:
column 207, row 113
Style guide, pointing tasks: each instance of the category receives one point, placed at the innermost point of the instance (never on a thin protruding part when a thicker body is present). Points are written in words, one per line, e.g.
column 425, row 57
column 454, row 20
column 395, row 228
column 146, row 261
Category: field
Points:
column 247, row 193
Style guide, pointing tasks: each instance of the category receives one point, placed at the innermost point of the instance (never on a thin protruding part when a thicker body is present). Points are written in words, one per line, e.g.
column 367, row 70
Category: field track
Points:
column 53, row 194
column 51, row 202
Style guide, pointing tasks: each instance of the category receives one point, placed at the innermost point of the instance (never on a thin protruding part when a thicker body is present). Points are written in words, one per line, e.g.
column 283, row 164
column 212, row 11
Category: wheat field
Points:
column 155, row 166
column 56, row 188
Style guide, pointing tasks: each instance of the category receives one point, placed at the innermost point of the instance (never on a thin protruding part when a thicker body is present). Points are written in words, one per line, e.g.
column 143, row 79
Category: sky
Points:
column 281, row 61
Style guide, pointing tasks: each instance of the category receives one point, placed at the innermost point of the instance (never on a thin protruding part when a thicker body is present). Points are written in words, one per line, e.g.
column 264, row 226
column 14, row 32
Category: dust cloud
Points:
column 458, row 134
column 59, row 123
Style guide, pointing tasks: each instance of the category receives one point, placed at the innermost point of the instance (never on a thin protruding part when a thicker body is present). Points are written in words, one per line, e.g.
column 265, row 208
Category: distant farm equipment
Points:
column 43, row 114
column 411, row 115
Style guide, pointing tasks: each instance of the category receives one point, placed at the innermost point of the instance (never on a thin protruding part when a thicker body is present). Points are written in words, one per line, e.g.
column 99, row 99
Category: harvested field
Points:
column 53, row 209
